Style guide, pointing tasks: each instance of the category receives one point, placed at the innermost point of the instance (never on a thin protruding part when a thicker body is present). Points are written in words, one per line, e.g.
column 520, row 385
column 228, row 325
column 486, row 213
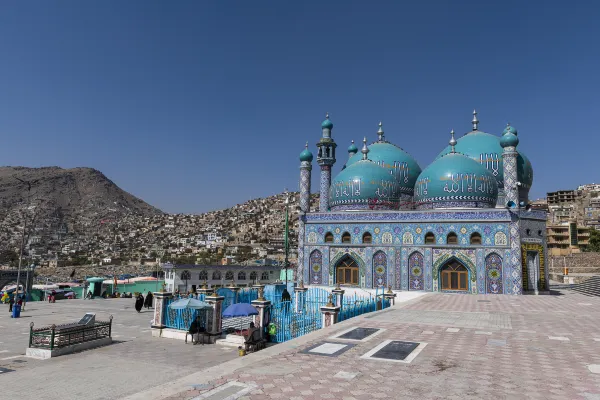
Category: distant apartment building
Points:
column 566, row 239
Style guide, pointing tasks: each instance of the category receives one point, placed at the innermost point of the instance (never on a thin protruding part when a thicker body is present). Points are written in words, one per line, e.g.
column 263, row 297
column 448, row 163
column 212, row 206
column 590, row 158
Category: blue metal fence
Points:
column 182, row 319
column 291, row 324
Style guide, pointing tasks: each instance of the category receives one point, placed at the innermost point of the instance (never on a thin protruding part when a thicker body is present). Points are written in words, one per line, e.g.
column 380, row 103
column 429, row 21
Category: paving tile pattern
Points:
column 515, row 360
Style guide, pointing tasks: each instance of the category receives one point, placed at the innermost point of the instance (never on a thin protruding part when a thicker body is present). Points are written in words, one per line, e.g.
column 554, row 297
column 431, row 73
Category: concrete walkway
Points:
column 469, row 346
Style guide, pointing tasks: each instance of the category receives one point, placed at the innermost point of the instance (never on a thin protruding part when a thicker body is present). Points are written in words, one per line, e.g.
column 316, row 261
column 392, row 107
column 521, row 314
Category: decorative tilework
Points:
column 301, row 234
column 380, row 262
column 480, row 271
column 305, row 186
column 416, row 268
column 325, row 263
column 398, row 269
column 412, row 216
column 324, row 185
column 358, row 254
column 316, row 267
column 493, row 272
column 428, row 260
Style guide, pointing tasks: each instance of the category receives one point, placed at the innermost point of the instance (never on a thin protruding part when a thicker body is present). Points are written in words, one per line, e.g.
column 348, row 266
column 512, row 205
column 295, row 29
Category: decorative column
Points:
column 329, row 313
column 160, row 308
column 261, row 305
column 326, row 160
column 306, row 158
column 513, row 283
column 217, row 302
column 339, row 295
column 389, row 295
column 300, row 296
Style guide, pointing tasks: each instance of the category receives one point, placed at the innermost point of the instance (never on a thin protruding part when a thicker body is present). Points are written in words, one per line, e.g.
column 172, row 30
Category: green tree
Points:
column 594, row 241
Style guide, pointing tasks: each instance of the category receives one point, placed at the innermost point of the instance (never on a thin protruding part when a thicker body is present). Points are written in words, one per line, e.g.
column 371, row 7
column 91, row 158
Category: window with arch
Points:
column 429, row 238
column 346, row 238
column 216, row 275
column 241, row 276
column 229, row 275
column 203, row 276
column 186, row 276
column 452, row 238
column 367, row 238
column 329, row 237
column 475, row 238
column 347, row 272
column 253, row 275
column 264, row 276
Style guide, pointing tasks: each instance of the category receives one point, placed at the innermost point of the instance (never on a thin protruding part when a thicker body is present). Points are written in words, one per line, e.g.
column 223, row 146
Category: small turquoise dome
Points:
column 455, row 181
column 509, row 139
column 401, row 165
column 327, row 124
column 510, row 129
column 352, row 148
column 364, row 185
column 486, row 150
column 306, row 155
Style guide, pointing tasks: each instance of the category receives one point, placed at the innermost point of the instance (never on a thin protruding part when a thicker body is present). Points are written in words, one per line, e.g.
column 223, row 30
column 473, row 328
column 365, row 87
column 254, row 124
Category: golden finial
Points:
column 390, row 289
column 301, row 286
column 232, row 285
column 337, row 286
column 330, row 304
column 164, row 285
column 205, row 286
column 261, row 294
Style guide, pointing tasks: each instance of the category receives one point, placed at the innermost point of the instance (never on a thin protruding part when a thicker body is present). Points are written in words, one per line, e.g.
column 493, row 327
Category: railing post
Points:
column 30, row 334
column 110, row 326
column 52, row 337
column 339, row 296
column 217, row 318
column 160, row 302
column 300, row 297
column 330, row 313
column 261, row 305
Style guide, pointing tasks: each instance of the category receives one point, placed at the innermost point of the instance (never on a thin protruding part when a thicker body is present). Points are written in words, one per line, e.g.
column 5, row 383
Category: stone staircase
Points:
column 590, row 287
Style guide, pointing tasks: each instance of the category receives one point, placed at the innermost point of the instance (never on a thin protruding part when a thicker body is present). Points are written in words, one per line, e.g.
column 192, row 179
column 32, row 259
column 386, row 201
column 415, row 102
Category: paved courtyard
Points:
column 477, row 347
column 134, row 362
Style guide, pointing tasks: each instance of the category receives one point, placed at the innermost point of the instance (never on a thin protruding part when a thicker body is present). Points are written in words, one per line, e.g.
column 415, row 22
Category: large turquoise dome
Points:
column 455, row 181
column 399, row 164
column 485, row 149
column 364, row 185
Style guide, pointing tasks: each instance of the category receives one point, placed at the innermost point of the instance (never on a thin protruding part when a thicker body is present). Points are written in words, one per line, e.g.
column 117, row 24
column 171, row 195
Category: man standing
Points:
column 10, row 304
column 196, row 329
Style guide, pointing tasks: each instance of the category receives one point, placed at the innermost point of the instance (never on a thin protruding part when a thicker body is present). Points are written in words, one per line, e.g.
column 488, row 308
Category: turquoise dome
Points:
column 456, row 181
column 306, row 155
column 401, row 165
column 352, row 148
column 327, row 124
column 510, row 129
column 485, row 149
column 509, row 139
column 364, row 185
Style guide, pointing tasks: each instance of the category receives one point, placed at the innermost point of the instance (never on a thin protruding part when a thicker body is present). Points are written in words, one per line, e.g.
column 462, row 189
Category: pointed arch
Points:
column 493, row 274
column 347, row 271
column 380, row 267
column 346, row 237
column 429, row 238
column 367, row 238
column 444, row 259
column 475, row 238
column 452, row 238
column 328, row 237
column 415, row 271
column 315, row 261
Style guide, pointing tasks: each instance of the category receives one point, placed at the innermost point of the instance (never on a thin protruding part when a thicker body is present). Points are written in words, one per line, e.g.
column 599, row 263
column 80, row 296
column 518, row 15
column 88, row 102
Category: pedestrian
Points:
column 10, row 304
column 148, row 301
column 139, row 302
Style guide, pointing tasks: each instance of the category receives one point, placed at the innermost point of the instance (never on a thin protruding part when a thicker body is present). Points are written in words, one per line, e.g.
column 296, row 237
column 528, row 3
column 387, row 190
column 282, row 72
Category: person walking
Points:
column 10, row 304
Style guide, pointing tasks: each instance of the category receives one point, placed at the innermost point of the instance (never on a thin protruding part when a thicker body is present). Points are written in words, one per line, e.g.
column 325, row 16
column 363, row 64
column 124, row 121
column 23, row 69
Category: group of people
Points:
column 140, row 302
column 11, row 302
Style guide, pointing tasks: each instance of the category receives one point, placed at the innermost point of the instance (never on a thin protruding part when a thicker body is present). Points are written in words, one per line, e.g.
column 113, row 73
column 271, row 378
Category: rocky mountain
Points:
column 67, row 195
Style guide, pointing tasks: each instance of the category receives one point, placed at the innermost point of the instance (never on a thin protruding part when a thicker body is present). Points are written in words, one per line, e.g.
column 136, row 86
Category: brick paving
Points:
column 498, row 347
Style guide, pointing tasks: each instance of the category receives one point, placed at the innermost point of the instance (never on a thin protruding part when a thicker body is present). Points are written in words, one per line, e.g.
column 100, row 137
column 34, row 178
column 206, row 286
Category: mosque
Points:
column 460, row 225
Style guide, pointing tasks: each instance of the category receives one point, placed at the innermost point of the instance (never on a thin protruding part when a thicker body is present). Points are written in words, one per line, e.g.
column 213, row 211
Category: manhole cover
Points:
column 19, row 361
column 358, row 333
column 395, row 351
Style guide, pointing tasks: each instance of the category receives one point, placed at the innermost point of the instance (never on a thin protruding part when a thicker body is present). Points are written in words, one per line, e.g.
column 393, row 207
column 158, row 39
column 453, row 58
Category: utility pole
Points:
column 286, row 239
column 22, row 235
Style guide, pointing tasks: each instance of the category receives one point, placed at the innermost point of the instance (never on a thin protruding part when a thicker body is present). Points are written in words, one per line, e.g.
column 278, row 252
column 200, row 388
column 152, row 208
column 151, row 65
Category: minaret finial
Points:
column 365, row 149
column 452, row 141
column 306, row 145
column 380, row 132
column 475, row 121
column 327, row 115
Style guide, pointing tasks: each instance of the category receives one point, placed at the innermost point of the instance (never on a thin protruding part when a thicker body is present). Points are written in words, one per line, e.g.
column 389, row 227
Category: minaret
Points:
column 306, row 158
column 326, row 159
column 509, row 142
column 352, row 150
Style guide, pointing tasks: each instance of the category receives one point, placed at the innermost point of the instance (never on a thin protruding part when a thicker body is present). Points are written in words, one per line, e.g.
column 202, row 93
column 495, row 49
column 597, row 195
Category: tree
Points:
column 594, row 244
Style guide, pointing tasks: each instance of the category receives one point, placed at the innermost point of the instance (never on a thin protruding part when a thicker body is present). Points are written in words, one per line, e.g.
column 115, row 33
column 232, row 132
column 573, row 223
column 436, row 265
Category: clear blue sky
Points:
column 200, row 105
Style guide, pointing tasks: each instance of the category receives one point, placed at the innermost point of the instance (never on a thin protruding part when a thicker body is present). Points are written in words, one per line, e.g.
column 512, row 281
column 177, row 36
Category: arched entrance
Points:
column 346, row 271
column 454, row 276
